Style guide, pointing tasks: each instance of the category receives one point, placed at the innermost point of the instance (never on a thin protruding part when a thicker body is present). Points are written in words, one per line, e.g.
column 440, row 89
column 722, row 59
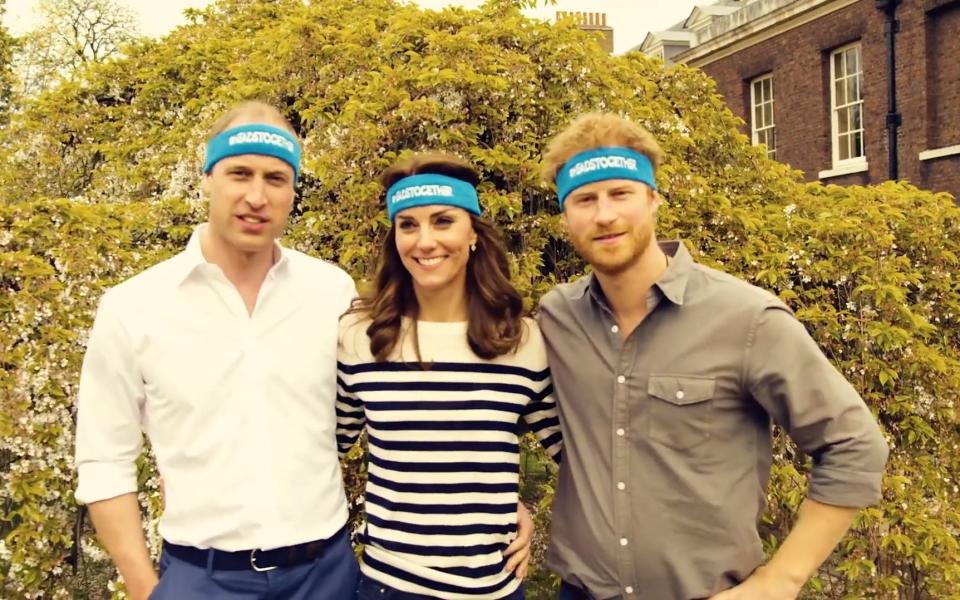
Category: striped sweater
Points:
column 443, row 474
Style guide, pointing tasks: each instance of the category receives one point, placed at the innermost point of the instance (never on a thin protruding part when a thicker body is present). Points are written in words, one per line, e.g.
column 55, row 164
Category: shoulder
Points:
column 148, row 286
column 321, row 271
column 721, row 288
column 560, row 296
column 531, row 353
column 353, row 343
column 532, row 336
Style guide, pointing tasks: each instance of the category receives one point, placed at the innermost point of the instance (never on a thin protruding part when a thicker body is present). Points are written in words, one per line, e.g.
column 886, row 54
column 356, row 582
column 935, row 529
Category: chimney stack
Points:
column 592, row 21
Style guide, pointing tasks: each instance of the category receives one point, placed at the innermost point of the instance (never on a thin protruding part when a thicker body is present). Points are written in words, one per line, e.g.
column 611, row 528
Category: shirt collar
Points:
column 672, row 284
column 191, row 259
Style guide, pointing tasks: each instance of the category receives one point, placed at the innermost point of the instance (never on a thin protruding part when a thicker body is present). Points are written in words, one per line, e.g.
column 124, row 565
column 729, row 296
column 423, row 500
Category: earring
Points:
column 473, row 247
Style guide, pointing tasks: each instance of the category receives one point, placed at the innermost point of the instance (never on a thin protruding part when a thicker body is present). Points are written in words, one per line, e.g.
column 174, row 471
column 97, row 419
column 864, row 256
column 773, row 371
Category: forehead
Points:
column 606, row 185
column 429, row 210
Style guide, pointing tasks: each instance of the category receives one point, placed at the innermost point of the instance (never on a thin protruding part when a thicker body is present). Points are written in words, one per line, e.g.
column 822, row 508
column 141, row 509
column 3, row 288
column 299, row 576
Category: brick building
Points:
column 810, row 79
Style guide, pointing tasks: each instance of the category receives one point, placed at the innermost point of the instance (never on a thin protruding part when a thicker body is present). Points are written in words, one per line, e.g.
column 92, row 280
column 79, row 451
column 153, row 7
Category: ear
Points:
column 655, row 200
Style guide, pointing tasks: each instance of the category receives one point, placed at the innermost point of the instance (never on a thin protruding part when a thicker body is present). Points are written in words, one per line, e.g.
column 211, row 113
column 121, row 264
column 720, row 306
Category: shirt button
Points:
column 621, row 432
column 621, row 485
column 623, row 541
column 628, row 589
column 615, row 329
column 621, row 379
column 680, row 395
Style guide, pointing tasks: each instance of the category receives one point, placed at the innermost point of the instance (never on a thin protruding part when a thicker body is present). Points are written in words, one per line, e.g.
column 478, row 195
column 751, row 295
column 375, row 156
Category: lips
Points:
column 252, row 224
column 430, row 262
column 608, row 237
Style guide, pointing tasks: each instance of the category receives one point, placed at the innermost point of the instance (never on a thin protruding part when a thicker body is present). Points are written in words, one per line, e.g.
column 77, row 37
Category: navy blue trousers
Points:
column 569, row 592
column 331, row 576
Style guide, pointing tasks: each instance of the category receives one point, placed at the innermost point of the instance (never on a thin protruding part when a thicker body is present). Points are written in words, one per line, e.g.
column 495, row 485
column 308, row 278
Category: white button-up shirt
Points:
column 239, row 408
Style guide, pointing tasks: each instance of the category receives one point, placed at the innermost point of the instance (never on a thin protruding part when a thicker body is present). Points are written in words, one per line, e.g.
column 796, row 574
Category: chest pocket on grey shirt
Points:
column 681, row 409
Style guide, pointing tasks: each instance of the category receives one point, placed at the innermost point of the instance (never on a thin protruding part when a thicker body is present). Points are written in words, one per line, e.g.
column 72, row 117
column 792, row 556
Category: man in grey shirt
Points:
column 668, row 375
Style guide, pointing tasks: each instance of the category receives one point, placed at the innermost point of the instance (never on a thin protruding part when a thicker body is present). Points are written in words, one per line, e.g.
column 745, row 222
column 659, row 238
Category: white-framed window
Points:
column 761, row 114
column 846, row 107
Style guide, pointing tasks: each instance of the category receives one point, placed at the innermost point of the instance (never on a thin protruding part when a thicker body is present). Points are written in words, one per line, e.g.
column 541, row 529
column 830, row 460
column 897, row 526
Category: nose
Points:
column 605, row 210
column 256, row 195
column 426, row 240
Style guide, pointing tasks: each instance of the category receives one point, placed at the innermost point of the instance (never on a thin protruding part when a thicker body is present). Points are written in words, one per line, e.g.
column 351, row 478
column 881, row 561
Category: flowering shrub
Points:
column 870, row 271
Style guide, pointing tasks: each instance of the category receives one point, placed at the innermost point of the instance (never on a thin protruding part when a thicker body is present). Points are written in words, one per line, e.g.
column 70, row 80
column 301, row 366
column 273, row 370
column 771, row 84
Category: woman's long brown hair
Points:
column 495, row 308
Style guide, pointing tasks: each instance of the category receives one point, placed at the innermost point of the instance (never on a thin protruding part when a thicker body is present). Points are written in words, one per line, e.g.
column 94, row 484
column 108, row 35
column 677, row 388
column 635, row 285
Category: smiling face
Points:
column 611, row 223
column 250, row 199
column 434, row 245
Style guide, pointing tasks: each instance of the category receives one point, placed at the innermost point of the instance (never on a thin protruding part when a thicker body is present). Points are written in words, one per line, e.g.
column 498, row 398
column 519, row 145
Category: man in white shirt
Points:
column 225, row 355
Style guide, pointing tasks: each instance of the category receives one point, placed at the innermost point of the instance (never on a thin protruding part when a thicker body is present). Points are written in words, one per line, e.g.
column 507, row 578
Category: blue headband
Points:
column 427, row 189
column 601, row 164
column 254, row 139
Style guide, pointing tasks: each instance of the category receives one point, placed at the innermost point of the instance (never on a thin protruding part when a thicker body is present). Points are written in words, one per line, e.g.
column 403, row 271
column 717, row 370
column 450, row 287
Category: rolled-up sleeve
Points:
column 787, row 373
column 109, row 408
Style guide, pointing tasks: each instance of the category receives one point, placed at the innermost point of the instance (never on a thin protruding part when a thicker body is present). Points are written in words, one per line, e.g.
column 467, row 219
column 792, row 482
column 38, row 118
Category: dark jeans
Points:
column 569, row 592
column 369, row 589
column 330, row 576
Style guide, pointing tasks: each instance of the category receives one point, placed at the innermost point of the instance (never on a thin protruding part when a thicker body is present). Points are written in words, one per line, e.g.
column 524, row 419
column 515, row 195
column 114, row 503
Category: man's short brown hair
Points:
column 251, row 111
column 597, row 130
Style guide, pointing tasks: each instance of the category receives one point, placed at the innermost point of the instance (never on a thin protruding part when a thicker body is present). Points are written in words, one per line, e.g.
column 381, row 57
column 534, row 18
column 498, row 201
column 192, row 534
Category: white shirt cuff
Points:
column 104, row 480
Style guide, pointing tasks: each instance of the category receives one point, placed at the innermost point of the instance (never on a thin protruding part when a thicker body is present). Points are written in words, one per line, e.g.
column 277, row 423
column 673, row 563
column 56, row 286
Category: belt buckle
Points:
column 253, row 563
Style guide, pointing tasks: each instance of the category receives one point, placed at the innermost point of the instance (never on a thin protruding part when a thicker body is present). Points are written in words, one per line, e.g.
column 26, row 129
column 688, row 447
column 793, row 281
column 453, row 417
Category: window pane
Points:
column 842, row 121
column 858, row 144
column 840, row 98
column 768, row 89
column 768, row 114
column 857, row 116
column 844, row 143
column 757, row 117
column 757, row 89
column 852, row 92
column 853, row 60
column 772, row 140
column 838, row 65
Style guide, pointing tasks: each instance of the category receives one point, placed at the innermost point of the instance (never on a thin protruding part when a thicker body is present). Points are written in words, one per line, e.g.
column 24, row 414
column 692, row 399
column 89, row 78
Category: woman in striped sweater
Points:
column 440, row 366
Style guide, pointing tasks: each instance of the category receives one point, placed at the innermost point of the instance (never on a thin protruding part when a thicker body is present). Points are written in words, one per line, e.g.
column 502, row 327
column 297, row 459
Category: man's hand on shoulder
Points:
column 764, row 584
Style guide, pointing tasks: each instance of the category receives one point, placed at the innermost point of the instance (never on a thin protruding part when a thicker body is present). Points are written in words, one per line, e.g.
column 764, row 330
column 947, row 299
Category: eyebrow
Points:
column 432, row 215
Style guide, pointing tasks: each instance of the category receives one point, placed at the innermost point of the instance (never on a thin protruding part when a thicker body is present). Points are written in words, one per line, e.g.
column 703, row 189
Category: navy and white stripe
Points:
column 443, row 469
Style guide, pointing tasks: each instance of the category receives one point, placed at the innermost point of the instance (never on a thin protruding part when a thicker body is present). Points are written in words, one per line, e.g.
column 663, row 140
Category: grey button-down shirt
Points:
column 667, row 435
